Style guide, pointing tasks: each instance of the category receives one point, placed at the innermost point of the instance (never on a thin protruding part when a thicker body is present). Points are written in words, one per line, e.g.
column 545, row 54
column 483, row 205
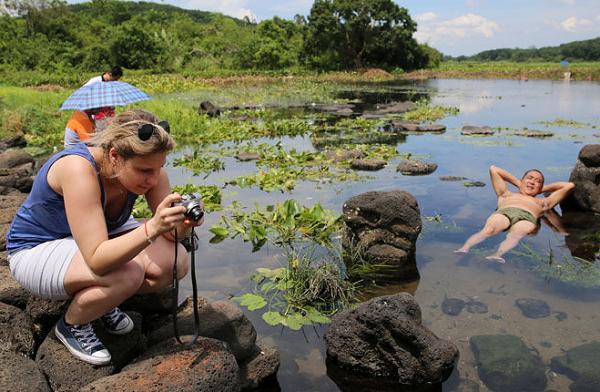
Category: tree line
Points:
column 52, row 36
column 588, row 50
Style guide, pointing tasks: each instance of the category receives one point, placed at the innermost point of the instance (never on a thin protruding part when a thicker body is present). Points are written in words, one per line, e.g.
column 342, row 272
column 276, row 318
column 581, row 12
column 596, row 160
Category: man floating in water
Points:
column 519, row 212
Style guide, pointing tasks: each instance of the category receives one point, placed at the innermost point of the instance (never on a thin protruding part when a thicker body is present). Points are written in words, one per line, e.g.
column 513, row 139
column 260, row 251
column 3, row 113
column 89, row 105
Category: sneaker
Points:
column 82, row 342
column 117, row 322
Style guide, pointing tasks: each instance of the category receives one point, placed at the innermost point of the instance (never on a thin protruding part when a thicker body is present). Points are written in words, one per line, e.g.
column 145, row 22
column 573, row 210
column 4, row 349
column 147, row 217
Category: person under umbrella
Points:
column 93, row 103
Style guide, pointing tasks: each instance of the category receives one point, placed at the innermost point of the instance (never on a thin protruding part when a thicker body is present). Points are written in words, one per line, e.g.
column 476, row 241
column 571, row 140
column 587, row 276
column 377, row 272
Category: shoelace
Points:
column 113, row 317
column 86, row 336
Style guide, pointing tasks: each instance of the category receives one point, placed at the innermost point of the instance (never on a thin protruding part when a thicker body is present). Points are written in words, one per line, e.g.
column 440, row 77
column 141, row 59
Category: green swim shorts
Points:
column 515, row 215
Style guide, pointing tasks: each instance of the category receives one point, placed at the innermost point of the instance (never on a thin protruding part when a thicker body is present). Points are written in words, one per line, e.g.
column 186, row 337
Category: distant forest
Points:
column 53, row 36
column 588, row 50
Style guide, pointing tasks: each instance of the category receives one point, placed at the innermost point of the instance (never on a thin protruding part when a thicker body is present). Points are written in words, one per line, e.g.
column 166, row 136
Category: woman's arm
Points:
column 155, row 196
column 78, row 183
column 499, row 178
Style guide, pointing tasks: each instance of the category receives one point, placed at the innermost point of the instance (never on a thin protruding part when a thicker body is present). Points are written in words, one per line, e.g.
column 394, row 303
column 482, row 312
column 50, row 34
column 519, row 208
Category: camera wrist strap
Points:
column 175, row 297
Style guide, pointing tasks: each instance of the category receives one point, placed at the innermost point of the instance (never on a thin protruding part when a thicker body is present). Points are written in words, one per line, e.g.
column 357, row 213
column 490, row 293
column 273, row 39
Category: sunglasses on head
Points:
column 146, row 131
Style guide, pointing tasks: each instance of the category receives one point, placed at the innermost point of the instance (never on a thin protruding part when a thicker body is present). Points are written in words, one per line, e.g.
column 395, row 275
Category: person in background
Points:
column 114, row 74
column 74, row 237
column 84, row 124
column 518, row 213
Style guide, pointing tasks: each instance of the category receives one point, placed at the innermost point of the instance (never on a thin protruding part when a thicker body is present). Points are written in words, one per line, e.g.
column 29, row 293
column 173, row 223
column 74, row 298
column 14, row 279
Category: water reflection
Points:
column 224, row 268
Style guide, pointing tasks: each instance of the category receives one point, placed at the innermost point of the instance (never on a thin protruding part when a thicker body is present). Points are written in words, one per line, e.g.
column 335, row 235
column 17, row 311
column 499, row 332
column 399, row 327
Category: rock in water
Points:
column 533, row 308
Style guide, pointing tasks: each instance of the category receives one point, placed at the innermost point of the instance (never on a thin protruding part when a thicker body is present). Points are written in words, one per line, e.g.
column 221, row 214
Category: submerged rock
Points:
column 473, row 130
column 474, row 184
column 453, row 306
column 578, row 362
column 384, row 338
column 533, row 308
column 403, row 126
column 452, row 178
column 505, row 364
column 533, row 133
column 368, row 164
column 247, row 156
column 383, row 227
column 416, row 168
column 474, row 306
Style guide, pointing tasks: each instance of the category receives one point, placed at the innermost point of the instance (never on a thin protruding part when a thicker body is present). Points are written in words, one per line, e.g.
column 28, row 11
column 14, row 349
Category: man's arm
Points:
column 558, row 192
column 499, row 178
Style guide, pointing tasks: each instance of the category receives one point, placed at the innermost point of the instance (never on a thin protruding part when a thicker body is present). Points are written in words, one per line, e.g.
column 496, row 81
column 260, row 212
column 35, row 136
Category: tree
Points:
column 276, row 44
column 359, row 33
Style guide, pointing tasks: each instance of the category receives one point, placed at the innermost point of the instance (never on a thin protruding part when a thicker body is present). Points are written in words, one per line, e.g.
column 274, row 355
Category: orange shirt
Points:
column 81, row 124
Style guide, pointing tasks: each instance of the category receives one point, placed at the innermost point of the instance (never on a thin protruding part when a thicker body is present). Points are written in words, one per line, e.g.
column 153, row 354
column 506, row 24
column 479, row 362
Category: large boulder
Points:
column 221, row 320
column 11, row 292
column 384, row 339
column 261, row 368
column 586, row 176
column 383, row 227
column 16, row 331
column 67, row 373
column 18, row 373
column 207, row 366
column 506, row 364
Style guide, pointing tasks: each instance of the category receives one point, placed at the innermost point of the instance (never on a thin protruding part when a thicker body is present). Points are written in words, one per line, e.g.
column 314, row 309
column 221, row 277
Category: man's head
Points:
column 532, row 182
column 114, row 74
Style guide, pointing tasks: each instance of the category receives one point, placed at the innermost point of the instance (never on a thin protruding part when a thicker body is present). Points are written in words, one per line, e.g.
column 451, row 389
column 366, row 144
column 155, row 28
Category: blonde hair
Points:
column 121, row 133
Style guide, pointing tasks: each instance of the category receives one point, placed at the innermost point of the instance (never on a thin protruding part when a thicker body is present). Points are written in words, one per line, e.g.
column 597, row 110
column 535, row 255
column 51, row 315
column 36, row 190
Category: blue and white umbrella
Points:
column 103, row 94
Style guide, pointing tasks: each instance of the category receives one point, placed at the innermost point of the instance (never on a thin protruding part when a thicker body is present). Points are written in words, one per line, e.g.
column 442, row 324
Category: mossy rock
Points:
column 578, row 361
column 506, row 364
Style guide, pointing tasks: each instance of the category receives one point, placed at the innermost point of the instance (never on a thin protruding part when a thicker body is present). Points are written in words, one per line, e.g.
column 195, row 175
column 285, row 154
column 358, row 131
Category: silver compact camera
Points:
column 193, row 206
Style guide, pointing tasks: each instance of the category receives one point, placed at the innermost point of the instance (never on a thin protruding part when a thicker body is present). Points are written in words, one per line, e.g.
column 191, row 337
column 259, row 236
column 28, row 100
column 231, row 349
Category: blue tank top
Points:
column 42, row 216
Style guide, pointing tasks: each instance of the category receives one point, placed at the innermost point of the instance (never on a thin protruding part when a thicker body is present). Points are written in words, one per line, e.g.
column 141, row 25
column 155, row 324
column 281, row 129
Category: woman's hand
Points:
column 166, row 217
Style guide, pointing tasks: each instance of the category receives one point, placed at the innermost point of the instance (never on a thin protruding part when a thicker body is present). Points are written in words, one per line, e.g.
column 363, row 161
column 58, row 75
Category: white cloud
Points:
column 235, row 8
column 468, row 25
column 426, row 17
column 573, row 24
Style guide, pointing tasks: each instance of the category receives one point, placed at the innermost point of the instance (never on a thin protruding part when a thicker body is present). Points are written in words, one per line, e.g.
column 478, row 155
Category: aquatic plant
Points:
column 285, row 224
column 199, row 163
column 211, row 198
column 307, row 291
column 426, row 112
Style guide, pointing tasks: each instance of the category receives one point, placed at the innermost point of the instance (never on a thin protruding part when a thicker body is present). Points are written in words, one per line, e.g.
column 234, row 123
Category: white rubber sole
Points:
column 79, row 355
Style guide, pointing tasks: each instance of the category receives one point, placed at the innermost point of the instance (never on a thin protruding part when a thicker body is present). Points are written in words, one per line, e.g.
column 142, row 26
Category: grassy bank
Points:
column 508, row 70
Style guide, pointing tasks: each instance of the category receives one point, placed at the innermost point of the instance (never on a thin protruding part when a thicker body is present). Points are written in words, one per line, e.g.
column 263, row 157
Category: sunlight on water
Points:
column 223, row 269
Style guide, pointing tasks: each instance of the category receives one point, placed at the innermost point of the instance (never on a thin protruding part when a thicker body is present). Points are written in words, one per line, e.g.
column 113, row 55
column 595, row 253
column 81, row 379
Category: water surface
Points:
column 223, row 269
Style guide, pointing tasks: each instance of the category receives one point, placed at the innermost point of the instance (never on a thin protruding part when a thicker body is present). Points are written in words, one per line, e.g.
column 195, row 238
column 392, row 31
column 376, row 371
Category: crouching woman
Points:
column 74, row 237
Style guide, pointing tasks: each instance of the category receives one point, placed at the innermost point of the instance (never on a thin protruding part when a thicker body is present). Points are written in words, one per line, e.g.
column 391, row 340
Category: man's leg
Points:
column 494, row 225
column 514, row 235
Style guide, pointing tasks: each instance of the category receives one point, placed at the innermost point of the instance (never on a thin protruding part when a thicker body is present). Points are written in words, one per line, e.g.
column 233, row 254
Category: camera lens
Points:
column 195, row 213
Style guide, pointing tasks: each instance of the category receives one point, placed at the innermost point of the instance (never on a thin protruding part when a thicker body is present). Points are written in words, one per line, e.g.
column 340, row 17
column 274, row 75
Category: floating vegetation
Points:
column 211, row 198
column 285, row 224
column 200, row 164
column 561, row 122
column 426, row 112
column 306, row 292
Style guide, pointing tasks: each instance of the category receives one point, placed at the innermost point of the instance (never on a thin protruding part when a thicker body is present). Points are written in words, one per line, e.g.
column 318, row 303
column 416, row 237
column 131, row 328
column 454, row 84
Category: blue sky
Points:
column 455, row 27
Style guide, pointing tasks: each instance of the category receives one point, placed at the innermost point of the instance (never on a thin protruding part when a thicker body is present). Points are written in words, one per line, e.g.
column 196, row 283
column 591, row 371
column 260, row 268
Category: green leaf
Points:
column 317, row 317
column 293, row 322
column 252, row 301
column 272, row 318
column 219, row 231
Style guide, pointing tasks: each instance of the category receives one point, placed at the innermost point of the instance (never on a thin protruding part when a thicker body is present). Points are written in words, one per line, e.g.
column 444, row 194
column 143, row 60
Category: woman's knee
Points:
column 129, row 278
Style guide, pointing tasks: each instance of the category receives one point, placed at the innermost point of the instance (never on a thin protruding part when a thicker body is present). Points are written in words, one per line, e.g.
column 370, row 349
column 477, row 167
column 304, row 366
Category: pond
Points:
column 450, row 212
